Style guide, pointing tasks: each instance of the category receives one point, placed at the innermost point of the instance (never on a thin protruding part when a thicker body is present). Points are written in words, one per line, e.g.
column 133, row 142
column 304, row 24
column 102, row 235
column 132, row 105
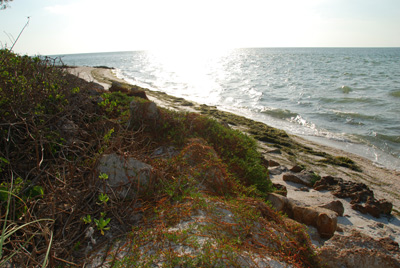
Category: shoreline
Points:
column 385, row 183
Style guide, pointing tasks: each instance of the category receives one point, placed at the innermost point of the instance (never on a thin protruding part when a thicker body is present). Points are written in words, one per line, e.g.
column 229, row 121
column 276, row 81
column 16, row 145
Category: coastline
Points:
column 385, row 183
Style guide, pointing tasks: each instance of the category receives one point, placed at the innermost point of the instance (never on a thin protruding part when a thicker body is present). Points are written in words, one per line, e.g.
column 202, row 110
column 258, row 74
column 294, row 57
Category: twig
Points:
column 16, row 40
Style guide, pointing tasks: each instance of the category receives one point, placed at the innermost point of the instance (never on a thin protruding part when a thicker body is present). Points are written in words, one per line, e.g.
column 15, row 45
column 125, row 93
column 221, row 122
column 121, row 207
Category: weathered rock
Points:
column 133, row 91
column 362, row 198
column 143, row 113
column 164, row 152
column 278, row 202
column 273, row 163
column 125, row 175
column 336, row 206
column 277, row 170
column 117, row 87
column 296, row 169
column 323, row 219
column 280, row 189
column 359, row 250
column 304, row 178
column 374, row 207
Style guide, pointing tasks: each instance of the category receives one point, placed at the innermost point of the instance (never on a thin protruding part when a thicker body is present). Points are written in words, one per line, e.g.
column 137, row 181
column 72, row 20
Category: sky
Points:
column 84, row 26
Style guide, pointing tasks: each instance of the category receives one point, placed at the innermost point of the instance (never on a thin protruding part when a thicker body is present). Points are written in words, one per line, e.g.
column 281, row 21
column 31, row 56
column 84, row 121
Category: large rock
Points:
column 324, row 220
column 134, row 91
column 336, row 206
column 374, row 207
column 362, row 198
column 358, row 250
column 143, row 113
column 306, row 178
column 125, row 175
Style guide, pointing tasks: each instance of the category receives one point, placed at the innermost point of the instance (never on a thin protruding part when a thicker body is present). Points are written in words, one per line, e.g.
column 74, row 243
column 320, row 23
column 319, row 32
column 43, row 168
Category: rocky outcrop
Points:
column 362, row 198
column 335, row 206
column 126, row 176
column 132, row 91
column 143, row 114
column 325, row 220
column 359, row 250
column 304, row 177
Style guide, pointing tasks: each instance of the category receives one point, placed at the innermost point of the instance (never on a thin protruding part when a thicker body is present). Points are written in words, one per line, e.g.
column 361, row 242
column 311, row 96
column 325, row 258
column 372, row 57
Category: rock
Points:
column 277, row 170
column 362, row 198
column 164, row 152
column 133, row 91
column 125, row 175
column 274, row 151
column 305, row 178
column 374, row 207
column 143, row 113
column 280, row 189
column 136, row 92
column 296, row 169
column 117, row 87
column 359, row 250
column 273, row 163
column 278, row 202
column 323, row 219
column 336, row 206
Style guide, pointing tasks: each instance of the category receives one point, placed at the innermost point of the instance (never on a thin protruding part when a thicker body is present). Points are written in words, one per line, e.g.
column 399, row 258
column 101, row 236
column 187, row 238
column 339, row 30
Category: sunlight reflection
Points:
column 197, row 68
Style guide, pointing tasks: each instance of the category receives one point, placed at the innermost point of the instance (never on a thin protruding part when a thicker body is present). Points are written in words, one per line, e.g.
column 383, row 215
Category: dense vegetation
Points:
column 53, row 129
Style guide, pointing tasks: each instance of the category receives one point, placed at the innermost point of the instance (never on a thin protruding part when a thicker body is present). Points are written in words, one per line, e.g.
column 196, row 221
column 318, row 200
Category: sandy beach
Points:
column 383, row 182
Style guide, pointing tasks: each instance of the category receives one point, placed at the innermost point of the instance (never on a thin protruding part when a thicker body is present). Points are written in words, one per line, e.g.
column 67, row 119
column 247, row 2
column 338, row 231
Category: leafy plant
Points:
column 87, row 219
column 103, row 198
column 102, row 223
column 103, row 176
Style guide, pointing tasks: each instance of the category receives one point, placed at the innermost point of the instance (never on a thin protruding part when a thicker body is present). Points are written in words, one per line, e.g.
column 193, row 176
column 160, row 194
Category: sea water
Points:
column 343, row 97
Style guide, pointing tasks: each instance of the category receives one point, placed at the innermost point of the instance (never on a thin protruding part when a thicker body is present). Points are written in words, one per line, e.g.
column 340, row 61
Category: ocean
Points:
column 348, row 98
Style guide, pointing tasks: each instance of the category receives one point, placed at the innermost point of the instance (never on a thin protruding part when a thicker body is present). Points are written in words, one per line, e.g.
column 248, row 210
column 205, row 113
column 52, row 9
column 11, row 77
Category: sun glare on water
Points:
column 194, row 67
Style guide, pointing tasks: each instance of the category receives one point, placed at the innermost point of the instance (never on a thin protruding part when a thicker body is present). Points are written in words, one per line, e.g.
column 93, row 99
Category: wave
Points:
column 354, row 115
column 348, row 100
column 279, row 113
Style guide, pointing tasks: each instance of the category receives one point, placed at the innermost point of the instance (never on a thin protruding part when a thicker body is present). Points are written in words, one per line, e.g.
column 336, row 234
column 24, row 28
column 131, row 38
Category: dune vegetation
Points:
column 55, row 127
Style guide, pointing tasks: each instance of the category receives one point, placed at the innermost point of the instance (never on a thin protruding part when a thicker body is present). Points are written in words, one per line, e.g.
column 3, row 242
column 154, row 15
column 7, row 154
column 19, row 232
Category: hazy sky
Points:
column 79, row 26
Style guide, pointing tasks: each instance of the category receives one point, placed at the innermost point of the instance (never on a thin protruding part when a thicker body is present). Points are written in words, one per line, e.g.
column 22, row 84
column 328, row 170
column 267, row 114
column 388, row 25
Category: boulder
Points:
column 125, row 175
column 362, row 198
column 304, row 177
column 323, row 219
column 296, row 169
column 374, row 207
column 359, row 250
column 280, row 189
column 273, row 163
column 278, row 202
column 143, row 113
column 133, row 91
column 336, row 206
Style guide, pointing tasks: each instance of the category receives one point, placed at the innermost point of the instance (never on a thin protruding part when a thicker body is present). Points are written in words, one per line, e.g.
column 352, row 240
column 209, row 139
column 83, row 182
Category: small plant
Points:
column 103, row 176
column 102, row 223
column 87, row 219
column 103, row 198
